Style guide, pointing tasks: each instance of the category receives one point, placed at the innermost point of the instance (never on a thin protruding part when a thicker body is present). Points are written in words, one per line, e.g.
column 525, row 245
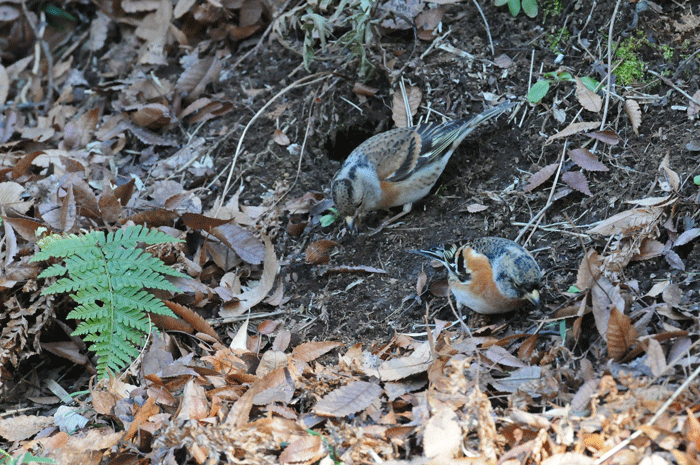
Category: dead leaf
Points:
column 364, row 90
column 402, row 367
column 586, row 160
column 280, row 138
column 540, row 177
column 352, row 398
column 317, row 252
column 587, row 98
column 398, row 112
column 574, row 128
column 577, row 181
column 694, row 108
column 634, row 113
column 4, row 85
column 254, row 296
column 588, row 270
column 606, row 137
column 310, row 351
column 442, row 437
column 629, row 221
column 620, row 335
column 674, row 181
column 427, row 21
column 306, row 450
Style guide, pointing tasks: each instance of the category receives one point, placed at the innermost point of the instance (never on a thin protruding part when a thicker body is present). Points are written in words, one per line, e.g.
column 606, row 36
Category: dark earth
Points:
column 490, row 168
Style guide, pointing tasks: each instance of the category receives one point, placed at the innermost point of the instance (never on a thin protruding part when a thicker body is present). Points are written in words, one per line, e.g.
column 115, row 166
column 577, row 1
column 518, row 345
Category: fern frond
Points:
column 109, row 275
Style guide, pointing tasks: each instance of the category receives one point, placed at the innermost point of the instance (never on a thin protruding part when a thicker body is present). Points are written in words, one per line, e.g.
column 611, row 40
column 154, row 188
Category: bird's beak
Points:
column 533, row 297
column 350, row 222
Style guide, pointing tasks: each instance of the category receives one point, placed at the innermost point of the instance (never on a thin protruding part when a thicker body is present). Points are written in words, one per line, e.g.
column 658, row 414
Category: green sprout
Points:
column 329, row 218
column 529, row 7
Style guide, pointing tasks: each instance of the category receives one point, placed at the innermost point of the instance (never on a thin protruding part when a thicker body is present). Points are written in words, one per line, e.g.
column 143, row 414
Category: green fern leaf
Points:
column 109, row 276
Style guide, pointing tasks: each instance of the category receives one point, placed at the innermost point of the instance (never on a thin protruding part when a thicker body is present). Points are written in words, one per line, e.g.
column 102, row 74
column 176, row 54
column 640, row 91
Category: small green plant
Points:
column 539, row 90
column 7, row 459
column 696, row 180
column 555, row 38
column 529, row 7
column 632, row 67
column 108, row 275
column 353, row 14
column 666, row 52
column 329, row 218
column 551, row 8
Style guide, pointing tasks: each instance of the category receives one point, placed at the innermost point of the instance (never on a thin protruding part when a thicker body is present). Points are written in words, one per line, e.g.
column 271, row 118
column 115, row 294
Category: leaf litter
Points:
column 434, row 396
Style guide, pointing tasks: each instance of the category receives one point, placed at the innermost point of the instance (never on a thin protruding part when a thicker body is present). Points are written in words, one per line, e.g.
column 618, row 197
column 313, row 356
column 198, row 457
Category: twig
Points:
column 668, row 82
column 488, row 30
column 308, row 80
column 610, row 52
column 653, row 419
column 538, row 216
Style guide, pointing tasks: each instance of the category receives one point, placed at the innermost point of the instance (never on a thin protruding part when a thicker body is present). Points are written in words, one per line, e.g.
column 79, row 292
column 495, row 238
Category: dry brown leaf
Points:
column 280, row 138
column 476, row 208
column 540, row 177
column 194, row 404
column 398, row 112
column 98, row 31
column 634, row 112
column 577, row 181
column 427, row 21
column 309, row 351
column 687, row 236
column 442, row 436
column 606, row 137
column 254, row 296
column 196, row 77
column 656, row 360
column 21, row 427
column 694, row 108
column 303, row 451
column 650, row 248
column 352, row 398
column 663, row 438
column 586, row 160
column 421, row 282
column 588, row 270
column 604, row 295
column 587, row 98
column 693, row 428
column 583, row 396
column 574, row 128
column 673, row 180
column 503, row 61
column 270, row 361
column 620, row 335
column 402, row 367
column 69, row 212
column 10, row 197
column 153, row 116
column 364, row 90
column 317, row 252
column 242, row 241
column 628, row 221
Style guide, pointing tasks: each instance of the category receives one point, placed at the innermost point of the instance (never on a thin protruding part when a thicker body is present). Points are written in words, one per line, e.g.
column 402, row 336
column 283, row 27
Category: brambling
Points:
column 489, row 275
column 399, row 166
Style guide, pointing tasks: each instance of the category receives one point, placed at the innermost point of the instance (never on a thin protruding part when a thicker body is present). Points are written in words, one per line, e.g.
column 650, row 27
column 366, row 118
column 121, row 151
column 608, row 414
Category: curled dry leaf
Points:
column 476, row 208
column 574, row 128
column 674, row 181
column 280, row 138
column 586, row 160
column 317, row 252
column 540, row 177
column 399, row 113
column 364, row 90
column 428, row 21
column 620, row 336
column 634, row 113
column 588, row 270
column 587, row 98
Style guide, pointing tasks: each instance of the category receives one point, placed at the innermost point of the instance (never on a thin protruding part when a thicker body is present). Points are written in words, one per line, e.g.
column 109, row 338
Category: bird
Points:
column 489, row 275
column 399, row 166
